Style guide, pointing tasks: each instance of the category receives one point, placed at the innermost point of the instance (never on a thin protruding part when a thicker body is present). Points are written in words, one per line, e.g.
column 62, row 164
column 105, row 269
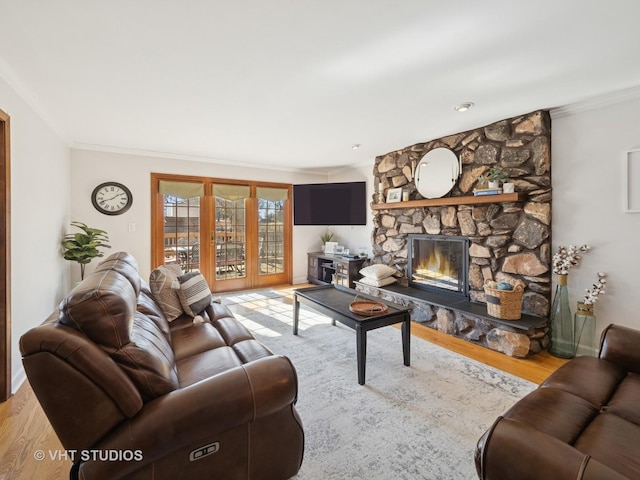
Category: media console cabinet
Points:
column 324, row 269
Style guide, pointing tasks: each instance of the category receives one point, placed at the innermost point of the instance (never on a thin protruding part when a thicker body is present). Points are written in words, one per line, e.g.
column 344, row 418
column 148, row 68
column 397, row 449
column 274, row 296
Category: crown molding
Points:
column 189, row 158
column 599, row 101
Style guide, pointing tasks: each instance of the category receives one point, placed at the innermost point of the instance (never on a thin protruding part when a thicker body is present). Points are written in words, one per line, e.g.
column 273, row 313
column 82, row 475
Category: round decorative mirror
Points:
column 437, row 172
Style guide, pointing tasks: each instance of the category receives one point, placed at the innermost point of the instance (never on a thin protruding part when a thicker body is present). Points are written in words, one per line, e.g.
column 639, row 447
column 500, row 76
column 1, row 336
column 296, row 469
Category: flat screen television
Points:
column 330, row 204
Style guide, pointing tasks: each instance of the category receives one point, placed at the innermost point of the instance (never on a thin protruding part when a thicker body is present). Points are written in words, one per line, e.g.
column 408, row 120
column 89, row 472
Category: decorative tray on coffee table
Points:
column 368, row 307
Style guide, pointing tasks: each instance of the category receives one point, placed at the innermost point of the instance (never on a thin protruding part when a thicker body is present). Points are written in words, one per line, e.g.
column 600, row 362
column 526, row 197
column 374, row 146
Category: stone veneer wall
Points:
column 508, row 241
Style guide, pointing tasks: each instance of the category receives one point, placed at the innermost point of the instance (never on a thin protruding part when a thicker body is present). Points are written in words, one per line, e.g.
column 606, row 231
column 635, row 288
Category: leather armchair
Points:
column 133, row 396
column 583, row 422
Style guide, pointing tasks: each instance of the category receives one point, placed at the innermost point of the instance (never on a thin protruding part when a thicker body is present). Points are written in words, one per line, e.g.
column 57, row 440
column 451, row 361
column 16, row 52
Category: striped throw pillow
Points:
column 194, row 293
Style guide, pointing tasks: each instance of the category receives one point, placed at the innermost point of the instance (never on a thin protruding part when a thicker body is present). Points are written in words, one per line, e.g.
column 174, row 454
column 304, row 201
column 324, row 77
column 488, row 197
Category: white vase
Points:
column 508, row 188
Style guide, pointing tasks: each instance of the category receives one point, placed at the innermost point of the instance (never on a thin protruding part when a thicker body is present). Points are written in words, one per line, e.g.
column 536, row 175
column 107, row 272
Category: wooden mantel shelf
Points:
column 466, row 200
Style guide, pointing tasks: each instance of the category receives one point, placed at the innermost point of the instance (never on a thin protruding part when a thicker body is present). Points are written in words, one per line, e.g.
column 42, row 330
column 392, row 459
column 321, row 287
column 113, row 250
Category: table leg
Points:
column 296, row 314
column 361, row 352
column 406, row 340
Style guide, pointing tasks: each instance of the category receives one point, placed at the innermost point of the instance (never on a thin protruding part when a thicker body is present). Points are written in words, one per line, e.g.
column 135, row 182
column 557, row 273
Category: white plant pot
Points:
column 508, row 188
column 494, row 184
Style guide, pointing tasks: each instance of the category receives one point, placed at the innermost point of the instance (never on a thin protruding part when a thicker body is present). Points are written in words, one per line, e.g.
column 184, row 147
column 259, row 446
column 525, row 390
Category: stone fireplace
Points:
column 439, row 263
column 508, row 240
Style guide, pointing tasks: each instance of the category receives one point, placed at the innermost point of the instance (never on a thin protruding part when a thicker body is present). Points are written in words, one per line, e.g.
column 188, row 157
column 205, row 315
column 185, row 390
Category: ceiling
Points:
column 294, row 84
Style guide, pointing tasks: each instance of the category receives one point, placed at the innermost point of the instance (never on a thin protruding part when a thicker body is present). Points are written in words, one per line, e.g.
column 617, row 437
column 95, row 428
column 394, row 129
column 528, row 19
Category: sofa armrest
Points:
column 619, row 345
column 512, row 450
column 200, row 411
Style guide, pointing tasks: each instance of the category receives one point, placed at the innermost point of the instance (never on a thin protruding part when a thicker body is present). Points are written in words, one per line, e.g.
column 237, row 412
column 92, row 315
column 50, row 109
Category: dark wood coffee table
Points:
column 334, row 300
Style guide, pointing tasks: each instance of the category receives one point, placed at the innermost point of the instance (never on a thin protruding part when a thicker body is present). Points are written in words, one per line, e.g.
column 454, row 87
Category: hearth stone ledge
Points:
column 467, row 320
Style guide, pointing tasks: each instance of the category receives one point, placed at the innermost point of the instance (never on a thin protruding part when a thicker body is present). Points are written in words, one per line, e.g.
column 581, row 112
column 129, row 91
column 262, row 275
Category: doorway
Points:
column 5, row 258
column 237, row 233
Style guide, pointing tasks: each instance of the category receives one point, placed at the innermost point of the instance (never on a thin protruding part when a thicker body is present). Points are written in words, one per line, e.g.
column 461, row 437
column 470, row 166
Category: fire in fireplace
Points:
column 439, row 263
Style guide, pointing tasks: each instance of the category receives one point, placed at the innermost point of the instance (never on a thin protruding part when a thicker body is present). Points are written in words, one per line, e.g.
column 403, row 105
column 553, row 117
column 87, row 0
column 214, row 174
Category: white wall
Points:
column 90, row 168
column 354, row 237
column 40, row 188
column 588, row 151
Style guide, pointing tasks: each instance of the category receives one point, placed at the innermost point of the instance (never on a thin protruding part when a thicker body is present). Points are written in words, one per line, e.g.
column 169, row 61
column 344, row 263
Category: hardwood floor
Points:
column 534, row 369
column 24, row 433
column 25, row 430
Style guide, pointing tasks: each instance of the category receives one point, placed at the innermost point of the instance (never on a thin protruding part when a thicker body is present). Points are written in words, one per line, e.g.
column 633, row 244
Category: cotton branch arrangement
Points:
column 591, row 296
column 566, row 258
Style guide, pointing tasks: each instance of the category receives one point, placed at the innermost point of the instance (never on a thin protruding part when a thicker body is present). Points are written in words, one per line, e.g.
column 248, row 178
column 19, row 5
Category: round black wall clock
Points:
column 111, row 198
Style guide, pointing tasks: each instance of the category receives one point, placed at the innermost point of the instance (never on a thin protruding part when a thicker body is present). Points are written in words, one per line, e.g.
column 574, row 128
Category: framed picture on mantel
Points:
column 632, row 182
column 394, row 195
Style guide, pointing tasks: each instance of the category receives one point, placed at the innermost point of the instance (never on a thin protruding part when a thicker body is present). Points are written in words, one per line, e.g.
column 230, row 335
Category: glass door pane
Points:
column 230, row 233
column 271, row 217
column 182, row 232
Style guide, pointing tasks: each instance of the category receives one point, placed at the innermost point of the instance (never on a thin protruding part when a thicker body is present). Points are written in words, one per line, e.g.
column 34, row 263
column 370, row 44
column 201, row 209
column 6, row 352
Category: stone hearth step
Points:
column 468, row 320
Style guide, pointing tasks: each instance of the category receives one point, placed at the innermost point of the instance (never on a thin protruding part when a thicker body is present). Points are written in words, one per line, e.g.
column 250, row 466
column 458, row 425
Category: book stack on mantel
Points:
column 479, row 192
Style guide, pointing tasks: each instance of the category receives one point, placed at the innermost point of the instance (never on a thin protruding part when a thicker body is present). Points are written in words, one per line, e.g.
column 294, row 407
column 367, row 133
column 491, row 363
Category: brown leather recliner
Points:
column 133, row 396
column 583, row 422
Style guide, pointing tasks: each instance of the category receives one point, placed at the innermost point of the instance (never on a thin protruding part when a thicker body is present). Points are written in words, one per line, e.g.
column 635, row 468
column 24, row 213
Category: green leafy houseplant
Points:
column 326, row 237
column 494, row 174
column 497, row 174
column 83, row 247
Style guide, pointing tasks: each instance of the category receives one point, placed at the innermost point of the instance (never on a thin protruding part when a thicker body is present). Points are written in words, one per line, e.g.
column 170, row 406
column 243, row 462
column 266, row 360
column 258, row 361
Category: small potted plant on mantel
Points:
column 496, row 176
column 489, row 182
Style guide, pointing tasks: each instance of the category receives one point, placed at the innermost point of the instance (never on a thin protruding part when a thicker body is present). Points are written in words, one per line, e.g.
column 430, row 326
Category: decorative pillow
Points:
column 374, row 282
column 164, row 285
column 378, row 271
column 194, row 293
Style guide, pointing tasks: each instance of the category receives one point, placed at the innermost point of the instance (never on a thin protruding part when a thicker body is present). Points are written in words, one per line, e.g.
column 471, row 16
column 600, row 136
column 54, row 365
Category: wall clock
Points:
column 111, row 198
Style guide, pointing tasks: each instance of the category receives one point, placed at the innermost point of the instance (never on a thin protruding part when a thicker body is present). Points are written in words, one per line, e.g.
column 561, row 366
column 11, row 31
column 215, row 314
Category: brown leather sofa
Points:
column 133, row 396
column 583, row 422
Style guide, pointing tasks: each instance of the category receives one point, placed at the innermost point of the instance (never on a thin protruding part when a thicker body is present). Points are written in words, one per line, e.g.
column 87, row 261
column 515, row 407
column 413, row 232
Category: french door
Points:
column 237, row 233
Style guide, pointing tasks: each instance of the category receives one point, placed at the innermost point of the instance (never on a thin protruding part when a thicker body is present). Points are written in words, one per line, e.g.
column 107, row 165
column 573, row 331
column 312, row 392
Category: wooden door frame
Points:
column 5, row 256
column 207, row 224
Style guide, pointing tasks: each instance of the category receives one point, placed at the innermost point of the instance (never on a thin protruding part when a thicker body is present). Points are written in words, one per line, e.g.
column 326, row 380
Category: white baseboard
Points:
column 18, row 379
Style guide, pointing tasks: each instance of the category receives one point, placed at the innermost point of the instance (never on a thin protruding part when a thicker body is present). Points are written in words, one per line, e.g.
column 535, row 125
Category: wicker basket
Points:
column 505, row 304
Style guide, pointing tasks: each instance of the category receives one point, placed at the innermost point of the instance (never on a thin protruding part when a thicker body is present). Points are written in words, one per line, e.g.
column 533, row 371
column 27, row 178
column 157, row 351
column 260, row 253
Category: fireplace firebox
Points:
column 439, row 263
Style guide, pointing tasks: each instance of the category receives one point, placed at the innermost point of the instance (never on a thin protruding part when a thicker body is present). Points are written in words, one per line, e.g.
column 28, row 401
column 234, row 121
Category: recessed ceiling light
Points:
column 355, row 146
column 463, row 107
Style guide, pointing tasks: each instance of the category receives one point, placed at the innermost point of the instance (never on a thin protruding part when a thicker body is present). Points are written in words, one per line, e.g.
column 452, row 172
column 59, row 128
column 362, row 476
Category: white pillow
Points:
column 374, row 282
column 378, row 271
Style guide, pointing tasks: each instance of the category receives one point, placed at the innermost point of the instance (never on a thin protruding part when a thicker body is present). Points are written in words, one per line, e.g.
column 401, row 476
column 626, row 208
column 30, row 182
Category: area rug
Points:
column 417, row 422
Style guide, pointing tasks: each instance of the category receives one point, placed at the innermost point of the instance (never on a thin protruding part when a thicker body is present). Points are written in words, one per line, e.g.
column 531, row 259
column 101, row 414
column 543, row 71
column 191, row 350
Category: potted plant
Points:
column 83, row 247
column 326, row 238
column 508, row 187
column 496, row 176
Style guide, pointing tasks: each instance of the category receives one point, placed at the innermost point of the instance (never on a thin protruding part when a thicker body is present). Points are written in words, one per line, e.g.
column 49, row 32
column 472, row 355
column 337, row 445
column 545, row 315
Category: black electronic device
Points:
column 330, row 204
